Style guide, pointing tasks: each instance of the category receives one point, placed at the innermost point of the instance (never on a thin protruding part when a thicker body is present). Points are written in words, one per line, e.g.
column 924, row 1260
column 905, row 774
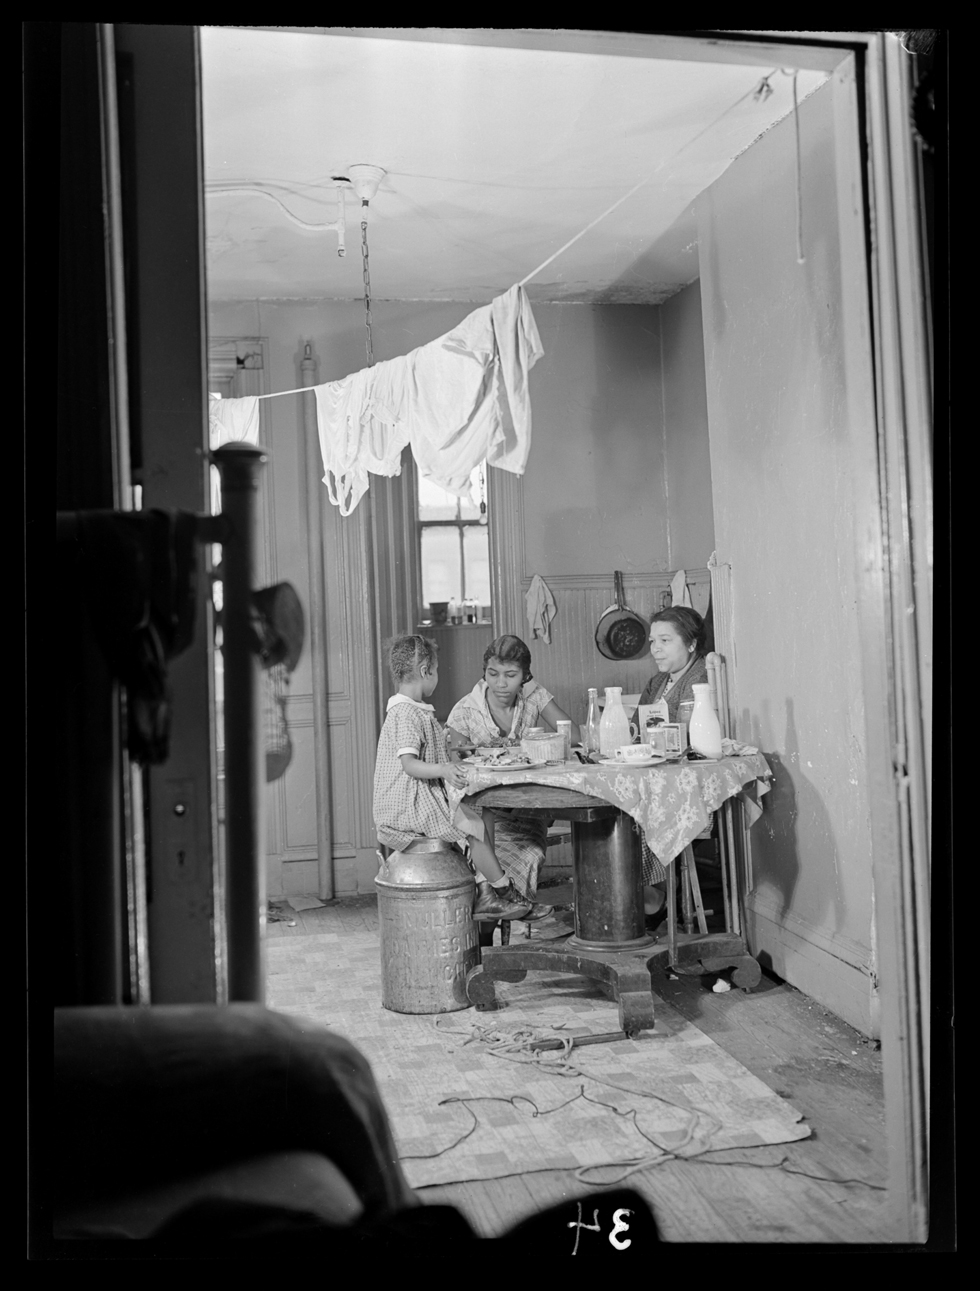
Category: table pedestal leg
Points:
column 608, row 885
column 625, row 975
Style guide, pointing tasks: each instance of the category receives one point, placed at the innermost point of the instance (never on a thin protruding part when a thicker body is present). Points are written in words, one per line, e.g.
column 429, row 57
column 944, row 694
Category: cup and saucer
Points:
column 635, row 755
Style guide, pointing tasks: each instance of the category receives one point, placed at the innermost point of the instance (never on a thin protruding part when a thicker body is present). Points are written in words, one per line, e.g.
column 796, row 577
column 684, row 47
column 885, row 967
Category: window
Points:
column 454, row 543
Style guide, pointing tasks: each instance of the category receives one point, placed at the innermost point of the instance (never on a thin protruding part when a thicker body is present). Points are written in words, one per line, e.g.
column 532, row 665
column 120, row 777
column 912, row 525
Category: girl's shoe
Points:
column 499, row 903
column 538, row 911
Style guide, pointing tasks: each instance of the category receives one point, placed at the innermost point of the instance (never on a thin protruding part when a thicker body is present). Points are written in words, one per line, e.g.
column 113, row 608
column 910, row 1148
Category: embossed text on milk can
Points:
column 429, row 941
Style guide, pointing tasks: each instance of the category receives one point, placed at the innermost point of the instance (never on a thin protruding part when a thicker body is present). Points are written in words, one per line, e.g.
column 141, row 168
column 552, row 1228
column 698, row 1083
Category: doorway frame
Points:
column 887, row 315
column 887, row 318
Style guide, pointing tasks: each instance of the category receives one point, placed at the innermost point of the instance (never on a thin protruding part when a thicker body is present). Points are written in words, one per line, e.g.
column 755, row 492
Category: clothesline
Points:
column 636, row 187
column 275, row 394
column 454, row 413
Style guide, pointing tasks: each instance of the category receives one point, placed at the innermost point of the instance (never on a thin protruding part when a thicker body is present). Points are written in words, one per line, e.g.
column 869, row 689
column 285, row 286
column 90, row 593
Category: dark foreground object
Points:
column 616, row 1223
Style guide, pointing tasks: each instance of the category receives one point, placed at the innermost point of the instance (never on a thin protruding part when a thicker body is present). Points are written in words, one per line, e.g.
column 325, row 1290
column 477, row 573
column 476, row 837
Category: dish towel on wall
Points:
column 541, row 609
column 679, row 595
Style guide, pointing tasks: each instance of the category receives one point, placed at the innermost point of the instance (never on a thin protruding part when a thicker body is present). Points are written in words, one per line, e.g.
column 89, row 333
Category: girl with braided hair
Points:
column 412, row 767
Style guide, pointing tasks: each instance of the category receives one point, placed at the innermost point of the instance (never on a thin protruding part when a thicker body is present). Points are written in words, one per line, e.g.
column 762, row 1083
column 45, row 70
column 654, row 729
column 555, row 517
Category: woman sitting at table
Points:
column 503, row 705
column 677, row 641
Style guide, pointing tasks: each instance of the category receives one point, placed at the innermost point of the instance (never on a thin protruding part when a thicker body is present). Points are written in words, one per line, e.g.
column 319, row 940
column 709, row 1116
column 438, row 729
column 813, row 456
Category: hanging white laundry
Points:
column 453, row 413
column 458, row 400
column 359, row 433
column 519, row 348
column 679, row 595
column 233, row 421
column 541, row 609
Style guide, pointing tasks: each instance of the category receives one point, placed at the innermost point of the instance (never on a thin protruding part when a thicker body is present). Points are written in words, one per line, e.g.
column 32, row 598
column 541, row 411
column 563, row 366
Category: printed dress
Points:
column 406, row 808
column 520, row 842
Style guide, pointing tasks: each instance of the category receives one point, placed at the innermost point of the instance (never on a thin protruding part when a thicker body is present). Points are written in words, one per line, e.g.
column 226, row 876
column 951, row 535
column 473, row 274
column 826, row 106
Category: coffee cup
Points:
column 635, row 752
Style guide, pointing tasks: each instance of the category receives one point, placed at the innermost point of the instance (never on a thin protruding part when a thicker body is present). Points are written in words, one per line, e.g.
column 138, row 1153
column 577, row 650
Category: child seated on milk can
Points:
column 413, row 764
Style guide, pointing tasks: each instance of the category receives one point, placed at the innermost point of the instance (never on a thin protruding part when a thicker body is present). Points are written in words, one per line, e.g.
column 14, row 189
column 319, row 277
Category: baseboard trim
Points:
column 833, row 981
column 366, row 864
column 838, row 946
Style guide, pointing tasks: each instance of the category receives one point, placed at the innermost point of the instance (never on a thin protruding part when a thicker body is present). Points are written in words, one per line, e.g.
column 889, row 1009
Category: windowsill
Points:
column 481, row 623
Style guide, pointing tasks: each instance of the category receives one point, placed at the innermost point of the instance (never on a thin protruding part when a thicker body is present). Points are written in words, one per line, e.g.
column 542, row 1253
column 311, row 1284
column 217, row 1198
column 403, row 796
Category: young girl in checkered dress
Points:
column 413, row 765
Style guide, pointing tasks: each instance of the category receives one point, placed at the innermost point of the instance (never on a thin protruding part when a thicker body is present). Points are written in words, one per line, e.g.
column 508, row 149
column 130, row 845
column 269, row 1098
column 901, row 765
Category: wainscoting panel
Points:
column 341, row 785
column 299, row 795
column 572, row 662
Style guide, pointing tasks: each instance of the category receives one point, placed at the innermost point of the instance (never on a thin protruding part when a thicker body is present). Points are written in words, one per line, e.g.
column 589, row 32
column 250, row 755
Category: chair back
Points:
column 718, row 691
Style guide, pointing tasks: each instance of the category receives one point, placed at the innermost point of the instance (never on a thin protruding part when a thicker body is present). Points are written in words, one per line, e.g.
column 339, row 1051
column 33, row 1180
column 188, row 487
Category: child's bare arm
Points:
column 449, row 771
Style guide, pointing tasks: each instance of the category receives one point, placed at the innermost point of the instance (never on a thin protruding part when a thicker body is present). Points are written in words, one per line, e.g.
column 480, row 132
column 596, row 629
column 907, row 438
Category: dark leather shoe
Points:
column 538, row 911
column 499, row 903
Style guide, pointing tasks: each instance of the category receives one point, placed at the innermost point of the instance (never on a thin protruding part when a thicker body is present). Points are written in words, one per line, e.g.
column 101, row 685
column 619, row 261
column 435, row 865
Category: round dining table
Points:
column 611, row 808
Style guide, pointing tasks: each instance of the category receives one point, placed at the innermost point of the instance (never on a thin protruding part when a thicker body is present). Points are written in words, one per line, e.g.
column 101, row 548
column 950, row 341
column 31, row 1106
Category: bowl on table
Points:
column 548, row 746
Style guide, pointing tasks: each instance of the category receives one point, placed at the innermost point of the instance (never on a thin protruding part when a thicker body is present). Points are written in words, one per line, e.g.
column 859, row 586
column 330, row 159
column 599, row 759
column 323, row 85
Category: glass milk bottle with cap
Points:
column 614, row 728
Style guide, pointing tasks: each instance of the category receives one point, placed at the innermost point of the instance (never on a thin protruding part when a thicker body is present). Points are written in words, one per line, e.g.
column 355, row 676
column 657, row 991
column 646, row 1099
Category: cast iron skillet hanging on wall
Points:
column 621, row 633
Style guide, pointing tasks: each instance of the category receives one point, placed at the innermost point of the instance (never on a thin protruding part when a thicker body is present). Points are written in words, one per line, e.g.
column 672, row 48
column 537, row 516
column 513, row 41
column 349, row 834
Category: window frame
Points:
column 461, row 524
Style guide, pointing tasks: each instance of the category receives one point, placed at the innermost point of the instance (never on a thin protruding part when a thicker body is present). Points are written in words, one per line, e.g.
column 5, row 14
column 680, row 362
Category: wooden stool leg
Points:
column 686, row 903
column 672, row 909
column 691, row 867
column 505, row 932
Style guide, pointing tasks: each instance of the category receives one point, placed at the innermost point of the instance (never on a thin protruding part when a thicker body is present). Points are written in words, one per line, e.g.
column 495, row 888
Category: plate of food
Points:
column 498, row 760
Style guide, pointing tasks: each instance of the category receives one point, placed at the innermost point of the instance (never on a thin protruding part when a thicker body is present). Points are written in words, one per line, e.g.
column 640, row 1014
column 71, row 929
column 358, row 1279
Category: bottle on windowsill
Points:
column 590, row 731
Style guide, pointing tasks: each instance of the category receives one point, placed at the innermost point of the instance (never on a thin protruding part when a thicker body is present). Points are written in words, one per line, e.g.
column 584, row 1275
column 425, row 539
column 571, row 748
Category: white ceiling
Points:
column 494, row 158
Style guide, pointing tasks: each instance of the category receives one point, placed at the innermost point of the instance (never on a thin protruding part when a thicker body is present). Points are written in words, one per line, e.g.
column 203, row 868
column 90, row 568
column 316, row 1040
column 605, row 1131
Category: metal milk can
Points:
column 429, row 941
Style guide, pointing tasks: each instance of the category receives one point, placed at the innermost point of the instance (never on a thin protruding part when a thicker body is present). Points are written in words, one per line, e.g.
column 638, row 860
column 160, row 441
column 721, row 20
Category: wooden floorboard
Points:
column 827, row 1070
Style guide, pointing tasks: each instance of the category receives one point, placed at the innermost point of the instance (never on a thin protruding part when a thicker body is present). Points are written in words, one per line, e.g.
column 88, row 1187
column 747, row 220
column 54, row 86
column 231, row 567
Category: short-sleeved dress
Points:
column 520, row 842
column 406, row 808
column 653, row 692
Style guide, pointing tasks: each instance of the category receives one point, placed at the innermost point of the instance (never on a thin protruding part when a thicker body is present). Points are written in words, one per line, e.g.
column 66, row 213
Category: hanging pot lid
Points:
column 621, row 633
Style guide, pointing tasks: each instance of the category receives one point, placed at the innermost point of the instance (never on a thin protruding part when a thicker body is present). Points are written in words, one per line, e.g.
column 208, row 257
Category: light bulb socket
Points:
column 365, row 180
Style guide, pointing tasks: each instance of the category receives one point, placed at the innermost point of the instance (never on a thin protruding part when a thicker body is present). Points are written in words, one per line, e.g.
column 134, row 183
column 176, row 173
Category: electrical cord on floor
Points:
column 514, row 1045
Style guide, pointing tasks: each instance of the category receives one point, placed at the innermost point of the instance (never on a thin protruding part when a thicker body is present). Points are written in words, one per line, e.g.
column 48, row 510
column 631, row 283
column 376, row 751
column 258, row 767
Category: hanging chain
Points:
column 367, row 287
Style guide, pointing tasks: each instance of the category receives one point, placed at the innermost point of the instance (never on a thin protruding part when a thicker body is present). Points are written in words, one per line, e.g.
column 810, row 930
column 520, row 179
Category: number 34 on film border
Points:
column 617, row 1232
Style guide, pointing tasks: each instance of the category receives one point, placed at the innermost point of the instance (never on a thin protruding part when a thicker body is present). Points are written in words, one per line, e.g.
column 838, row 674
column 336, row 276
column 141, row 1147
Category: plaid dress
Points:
column 520, row 842
column 406, row 808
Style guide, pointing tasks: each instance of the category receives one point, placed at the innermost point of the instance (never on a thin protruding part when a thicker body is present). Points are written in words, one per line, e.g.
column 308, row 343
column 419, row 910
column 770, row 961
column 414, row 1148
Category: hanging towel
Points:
column 679, row 595
column 541, row 609
column 233, row 421
column 458, row 400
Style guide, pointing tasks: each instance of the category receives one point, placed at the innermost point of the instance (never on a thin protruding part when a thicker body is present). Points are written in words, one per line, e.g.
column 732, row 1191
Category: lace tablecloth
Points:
column 672, row 802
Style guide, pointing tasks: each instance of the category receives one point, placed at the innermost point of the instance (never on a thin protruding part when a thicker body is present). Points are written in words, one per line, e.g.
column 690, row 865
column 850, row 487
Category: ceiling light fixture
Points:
column 365, row 181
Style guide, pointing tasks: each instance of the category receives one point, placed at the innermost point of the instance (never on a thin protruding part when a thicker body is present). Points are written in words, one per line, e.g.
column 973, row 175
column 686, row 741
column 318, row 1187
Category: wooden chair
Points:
column 722, row 827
